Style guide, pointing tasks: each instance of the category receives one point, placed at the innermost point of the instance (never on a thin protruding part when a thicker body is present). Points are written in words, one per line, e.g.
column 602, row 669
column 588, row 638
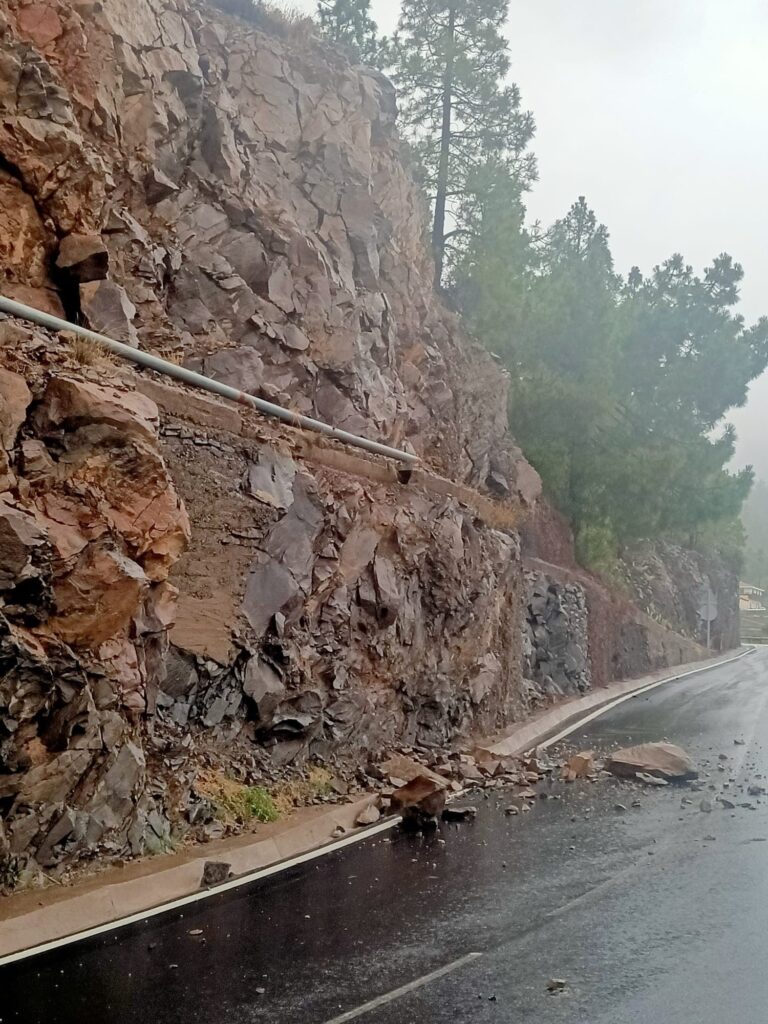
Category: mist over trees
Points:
column 619, row 385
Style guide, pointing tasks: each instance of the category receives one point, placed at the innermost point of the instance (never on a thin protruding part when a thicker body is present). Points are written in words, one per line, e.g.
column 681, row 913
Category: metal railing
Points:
column 199, row 380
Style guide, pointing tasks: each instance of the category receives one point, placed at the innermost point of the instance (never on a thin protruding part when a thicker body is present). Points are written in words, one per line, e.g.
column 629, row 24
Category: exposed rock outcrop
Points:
column 234, row 199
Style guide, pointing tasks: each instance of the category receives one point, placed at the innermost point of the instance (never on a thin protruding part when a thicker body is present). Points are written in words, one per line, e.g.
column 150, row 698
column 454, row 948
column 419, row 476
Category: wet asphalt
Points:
column 656, row 913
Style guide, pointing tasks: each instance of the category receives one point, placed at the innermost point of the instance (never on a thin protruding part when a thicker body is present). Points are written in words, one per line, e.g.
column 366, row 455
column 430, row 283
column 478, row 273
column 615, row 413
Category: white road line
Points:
column 637, row 693
column 404, row 990
column 196, row 897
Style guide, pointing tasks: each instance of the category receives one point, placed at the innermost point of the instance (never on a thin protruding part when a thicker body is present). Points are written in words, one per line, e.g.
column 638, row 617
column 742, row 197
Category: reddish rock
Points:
column 661, row 760
column 15, row 398
column 70, row 403
column 83, row 257
column 579, row 766
column 98, row 598
column 420, row 801
column 40, row 23
column 25, row 244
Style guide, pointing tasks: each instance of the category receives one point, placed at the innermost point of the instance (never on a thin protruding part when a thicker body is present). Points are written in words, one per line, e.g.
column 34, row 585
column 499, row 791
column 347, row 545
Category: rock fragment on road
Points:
column 660, row 760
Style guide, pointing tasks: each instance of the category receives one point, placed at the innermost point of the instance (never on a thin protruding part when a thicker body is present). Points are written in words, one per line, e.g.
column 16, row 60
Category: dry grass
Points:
column 171, row 355
column 316, row 783
column 238, row 804
column 234, row 802
column 279, row 19
column 87, row 352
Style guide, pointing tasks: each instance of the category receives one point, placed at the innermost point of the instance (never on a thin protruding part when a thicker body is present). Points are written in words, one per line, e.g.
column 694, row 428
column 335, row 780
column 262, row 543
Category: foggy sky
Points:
column 656, row 111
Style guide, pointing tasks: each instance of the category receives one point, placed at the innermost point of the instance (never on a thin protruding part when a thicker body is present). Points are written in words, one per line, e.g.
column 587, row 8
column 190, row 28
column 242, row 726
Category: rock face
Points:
column 556, row 640
column 668, row 582
column 231, row 195
column 90, row 526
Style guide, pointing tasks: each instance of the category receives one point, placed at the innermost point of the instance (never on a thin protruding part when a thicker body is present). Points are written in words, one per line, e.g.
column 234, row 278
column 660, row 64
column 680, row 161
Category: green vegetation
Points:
column 449, row 61
column 349, row 23
column 234, row 802
column 619, row 385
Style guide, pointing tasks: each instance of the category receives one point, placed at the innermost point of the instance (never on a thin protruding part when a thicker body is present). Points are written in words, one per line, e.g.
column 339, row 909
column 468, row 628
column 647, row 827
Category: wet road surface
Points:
column 651, row 914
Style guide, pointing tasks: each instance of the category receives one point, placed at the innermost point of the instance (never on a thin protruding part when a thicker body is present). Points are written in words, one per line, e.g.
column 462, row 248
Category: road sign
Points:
column 708, row 608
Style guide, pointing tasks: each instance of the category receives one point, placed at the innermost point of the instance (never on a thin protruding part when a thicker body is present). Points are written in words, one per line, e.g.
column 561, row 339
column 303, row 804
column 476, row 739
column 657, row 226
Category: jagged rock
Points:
column 25, row 244
column 20, row 539
column 109, row 311
column 69, row 403
column 452, row 813
column 265, row 688
column 15, row 398
column 271, row 479
column 661, row 760
column 98, row 598
column 36, row 463
column 420, row 801
column 83, row 257
column 214, row 873
column 368, row 816
column 158, row 186
column 579, row 766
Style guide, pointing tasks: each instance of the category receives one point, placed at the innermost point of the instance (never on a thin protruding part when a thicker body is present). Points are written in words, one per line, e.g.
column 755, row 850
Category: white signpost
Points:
column 708, row 609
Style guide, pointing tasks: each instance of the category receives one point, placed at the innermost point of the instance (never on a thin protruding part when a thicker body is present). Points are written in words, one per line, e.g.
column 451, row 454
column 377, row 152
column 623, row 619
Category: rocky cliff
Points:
column 231, row 196
column 187, row 590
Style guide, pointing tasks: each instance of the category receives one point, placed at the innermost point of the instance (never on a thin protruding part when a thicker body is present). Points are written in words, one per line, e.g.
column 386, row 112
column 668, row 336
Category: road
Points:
column 654, row 913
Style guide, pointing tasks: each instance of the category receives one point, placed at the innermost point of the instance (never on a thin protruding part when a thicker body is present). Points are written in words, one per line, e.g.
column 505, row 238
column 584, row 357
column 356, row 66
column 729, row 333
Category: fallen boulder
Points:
column 579, row 766
column 400, row 769
column 420, row 802
column 661, row 760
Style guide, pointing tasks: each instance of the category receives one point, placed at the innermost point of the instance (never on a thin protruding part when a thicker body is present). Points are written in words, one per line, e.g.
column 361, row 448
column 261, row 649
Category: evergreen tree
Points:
column 349, row 23
column 615, row 388
column 450, row 61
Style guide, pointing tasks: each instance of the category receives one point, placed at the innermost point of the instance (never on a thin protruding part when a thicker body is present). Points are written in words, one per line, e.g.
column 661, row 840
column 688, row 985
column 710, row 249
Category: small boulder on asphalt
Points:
column 706, row 806
column 459, row 813
column 579, row 766
column 661, row 760
column 557, row 985
column 215, row 872
column 368, row 816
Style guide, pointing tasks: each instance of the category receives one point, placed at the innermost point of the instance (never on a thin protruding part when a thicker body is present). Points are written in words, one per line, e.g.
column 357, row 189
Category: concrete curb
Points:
column 567, row 717
column 37, row 921
column 40, row 921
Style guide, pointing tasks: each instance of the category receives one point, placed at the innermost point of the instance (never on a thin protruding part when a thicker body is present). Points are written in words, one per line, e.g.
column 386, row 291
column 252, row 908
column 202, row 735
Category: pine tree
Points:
column 449, row 62
column 349, row 23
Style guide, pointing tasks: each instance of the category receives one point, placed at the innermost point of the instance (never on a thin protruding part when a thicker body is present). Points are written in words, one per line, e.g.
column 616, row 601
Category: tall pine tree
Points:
column 449, row 61
column 349, row 23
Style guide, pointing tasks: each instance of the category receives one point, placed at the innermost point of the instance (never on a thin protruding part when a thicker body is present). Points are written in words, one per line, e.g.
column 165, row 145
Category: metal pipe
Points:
column 199, row 380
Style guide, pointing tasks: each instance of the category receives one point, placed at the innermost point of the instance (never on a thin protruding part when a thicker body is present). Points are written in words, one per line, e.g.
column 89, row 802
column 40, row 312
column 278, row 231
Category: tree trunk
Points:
column 438, row 229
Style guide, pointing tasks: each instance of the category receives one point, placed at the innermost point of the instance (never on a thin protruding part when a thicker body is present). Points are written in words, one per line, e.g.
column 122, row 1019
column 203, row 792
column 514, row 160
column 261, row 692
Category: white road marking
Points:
column 569, row 730
column 196, row 897
column 404, row 990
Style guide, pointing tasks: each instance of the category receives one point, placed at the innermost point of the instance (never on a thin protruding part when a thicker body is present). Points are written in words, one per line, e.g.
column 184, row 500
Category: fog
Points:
column 656, row 112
